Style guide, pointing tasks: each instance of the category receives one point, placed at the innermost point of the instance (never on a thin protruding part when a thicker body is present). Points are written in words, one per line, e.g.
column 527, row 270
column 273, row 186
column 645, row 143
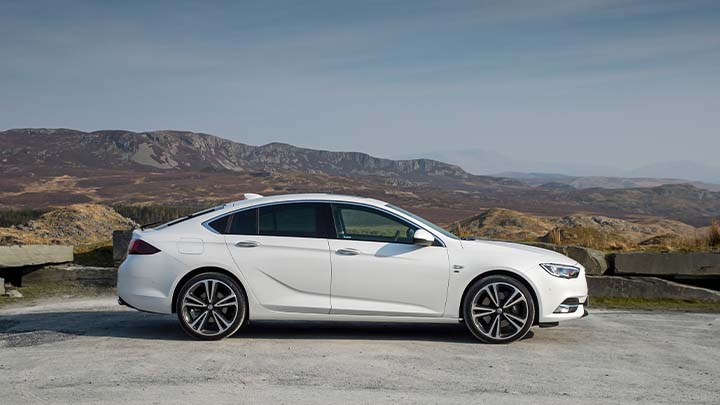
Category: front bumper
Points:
column 561, row 299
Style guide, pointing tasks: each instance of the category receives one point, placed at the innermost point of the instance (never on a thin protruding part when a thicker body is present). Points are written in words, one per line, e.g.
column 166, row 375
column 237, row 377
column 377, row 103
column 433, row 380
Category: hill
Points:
column 72, row 225
column 595, row 231
column 42, row 168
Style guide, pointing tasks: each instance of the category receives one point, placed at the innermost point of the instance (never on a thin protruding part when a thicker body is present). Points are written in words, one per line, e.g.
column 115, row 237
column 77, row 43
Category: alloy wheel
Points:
column 500, row 310
column 209, row 307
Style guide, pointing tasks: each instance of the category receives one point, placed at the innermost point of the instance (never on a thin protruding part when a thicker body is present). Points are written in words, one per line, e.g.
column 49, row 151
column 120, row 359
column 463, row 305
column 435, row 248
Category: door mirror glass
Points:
column 423, row 238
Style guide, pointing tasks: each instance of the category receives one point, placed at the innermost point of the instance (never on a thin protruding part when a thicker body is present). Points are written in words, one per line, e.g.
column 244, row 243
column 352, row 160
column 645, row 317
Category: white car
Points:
column 331, row 257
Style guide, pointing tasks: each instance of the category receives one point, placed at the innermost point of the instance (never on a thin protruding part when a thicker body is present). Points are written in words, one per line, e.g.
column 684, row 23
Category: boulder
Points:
column 593, row 260
column 648, row 288
column 121, row 240
column 33, row 255
column 666, row 264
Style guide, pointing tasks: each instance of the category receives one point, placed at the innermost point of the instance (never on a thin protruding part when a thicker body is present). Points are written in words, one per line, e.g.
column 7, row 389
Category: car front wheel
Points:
column 211, row 306
column 498, row 309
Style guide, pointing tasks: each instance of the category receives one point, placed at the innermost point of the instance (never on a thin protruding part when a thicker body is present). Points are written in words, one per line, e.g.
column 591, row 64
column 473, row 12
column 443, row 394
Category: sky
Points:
column 605, row 86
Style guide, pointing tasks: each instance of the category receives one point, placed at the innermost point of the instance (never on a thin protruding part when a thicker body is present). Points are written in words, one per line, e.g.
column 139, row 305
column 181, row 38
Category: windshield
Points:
column 424, row 222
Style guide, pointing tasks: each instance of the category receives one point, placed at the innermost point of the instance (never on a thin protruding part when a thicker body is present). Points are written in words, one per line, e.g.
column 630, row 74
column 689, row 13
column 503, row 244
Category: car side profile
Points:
column 330, row 257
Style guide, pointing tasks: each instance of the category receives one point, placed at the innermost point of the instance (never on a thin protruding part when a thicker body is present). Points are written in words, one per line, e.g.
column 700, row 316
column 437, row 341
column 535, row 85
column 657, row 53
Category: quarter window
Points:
column 367, row 224
column 220, row 224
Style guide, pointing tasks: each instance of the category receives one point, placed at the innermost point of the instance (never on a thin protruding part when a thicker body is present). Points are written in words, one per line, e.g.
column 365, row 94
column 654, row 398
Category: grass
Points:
column 55, row 290
column 653, row 304
column 96, row 254
column 18, row 217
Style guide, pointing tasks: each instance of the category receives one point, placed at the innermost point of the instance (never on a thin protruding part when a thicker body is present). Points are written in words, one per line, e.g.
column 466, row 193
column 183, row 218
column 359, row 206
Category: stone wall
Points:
column 666, row 264
column 34, row 255
column 90, row 276
column 648, row 288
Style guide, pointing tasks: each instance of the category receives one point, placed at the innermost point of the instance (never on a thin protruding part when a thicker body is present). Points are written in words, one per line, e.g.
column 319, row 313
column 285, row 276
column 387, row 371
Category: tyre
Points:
column 211, row 306
column 498, row 309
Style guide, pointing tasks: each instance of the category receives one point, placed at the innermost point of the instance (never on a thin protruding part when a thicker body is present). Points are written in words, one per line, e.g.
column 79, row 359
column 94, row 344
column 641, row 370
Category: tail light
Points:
column 140, row 247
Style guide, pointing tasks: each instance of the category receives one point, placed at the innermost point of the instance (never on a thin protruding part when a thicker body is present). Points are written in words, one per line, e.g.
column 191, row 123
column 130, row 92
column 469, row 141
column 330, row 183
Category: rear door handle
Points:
column 247, row 243
column 347, row 252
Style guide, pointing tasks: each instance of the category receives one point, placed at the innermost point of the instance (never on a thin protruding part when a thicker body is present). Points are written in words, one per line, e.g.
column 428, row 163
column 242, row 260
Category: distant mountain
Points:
column 32, row 149
column 475, row 161
column 557, row 180
column 42, row 168
column 680, row 170
column 484, row 162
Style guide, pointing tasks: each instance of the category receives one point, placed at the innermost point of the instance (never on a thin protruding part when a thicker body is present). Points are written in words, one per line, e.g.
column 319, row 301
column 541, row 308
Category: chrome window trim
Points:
column 206, row 225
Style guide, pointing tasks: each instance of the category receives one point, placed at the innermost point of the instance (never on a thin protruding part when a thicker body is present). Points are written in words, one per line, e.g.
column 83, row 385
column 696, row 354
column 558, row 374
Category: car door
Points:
column 283, row 252
column 377, row 270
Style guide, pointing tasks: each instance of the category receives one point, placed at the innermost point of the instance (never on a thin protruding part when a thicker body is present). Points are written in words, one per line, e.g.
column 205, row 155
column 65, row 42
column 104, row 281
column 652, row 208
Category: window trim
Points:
column 329, row 202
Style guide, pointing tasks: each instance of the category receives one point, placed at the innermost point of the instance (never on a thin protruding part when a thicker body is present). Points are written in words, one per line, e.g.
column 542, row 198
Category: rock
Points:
column 31, row 255
column 85, row 275
column 121, row 240
column 666, row 264
column 2, row 286
column 648, row 288
column 593, row 260
column 13, row 294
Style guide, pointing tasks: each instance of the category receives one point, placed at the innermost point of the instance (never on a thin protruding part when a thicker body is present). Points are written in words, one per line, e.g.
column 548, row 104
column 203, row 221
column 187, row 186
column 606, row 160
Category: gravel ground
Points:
column 94, row 351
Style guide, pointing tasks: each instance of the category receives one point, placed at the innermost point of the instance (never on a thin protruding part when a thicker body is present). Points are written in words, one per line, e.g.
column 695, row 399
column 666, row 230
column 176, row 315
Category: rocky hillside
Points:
column 73, row 225
column 41, row 168
column 586, row 230
column 34, row 149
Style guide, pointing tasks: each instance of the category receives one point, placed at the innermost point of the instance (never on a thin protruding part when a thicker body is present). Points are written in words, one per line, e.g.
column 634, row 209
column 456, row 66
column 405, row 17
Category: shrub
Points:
column 18, row 217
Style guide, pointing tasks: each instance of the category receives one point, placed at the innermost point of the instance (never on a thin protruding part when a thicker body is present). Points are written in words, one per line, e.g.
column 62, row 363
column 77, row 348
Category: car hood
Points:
column 531, row 252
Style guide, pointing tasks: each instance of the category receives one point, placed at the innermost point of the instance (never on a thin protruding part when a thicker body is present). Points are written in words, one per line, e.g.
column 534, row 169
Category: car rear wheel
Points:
column 211, row 306
column 498, row 309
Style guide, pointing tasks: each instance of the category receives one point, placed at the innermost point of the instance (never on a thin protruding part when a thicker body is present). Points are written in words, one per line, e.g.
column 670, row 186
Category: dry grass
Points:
column 713, row 238
column 555, row 236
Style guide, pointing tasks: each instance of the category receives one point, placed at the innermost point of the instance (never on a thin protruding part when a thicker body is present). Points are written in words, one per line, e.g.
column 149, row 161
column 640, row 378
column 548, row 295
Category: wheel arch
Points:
column 507, row 273
column 201, row 270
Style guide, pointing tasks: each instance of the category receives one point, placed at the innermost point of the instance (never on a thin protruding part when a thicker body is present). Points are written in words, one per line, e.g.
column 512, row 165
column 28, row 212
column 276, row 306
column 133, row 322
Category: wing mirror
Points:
column 423, row 238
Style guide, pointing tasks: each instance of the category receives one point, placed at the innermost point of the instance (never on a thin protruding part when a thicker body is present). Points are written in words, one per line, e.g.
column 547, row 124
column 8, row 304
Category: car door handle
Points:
column 247, row 243
column 347, row 252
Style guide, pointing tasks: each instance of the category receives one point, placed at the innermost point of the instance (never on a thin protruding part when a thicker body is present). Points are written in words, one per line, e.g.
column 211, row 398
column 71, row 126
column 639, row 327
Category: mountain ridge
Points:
column 42, row 168
column 170, row 149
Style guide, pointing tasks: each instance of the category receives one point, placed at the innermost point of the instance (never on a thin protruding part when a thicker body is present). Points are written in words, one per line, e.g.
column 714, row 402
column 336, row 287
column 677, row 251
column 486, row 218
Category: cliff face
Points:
column 176, row 150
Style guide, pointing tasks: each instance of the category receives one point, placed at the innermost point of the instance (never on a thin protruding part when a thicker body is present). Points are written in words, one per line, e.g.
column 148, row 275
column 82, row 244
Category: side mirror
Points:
column 422, row 237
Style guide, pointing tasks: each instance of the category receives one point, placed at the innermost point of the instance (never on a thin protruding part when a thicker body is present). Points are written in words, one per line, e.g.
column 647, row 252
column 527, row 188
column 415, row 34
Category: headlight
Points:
column 561, row 270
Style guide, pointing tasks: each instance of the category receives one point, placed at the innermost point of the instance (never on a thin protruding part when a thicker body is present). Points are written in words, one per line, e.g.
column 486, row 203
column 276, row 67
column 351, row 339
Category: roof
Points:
column 302, row 197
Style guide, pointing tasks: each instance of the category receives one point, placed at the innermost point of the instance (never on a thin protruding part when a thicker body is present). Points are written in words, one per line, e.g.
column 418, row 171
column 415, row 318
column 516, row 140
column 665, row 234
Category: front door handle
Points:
column 347, row 252
column 247, row 243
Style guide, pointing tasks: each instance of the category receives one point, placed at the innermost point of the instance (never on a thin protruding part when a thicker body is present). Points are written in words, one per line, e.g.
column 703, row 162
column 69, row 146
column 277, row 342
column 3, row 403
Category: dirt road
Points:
column 95, row 351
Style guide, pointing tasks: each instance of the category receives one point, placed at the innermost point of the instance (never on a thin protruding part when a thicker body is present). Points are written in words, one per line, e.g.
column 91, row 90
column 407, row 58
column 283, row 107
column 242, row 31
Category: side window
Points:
column 360, row 223
column 308, row 220
column 244, row 223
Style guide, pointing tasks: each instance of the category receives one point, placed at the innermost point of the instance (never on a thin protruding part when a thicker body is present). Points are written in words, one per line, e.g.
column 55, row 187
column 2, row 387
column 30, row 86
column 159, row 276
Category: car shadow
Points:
column 138, row 325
